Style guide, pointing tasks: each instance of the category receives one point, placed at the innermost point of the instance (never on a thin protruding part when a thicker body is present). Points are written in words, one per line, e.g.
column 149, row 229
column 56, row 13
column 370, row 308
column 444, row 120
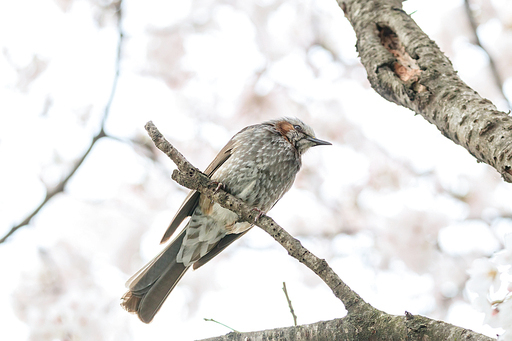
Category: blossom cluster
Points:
column 490, row 289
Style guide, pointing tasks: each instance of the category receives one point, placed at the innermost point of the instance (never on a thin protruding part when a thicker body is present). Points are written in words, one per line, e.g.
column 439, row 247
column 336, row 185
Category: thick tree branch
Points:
column 50, row 193
column 405, row 67
column 381, row 327
column 362, row 321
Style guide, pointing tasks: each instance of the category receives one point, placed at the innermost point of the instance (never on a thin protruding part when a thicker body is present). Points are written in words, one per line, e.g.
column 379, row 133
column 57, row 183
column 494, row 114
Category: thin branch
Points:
column 222, row 324
column 290, row 305
column 363, row 322
column 50, row 194
column 62, row 184
column 494, row 69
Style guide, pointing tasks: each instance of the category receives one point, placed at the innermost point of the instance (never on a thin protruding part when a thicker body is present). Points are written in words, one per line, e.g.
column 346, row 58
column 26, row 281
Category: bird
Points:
column 258, row 165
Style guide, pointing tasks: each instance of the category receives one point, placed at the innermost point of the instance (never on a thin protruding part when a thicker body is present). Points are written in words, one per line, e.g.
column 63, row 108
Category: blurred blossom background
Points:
column 400, row 212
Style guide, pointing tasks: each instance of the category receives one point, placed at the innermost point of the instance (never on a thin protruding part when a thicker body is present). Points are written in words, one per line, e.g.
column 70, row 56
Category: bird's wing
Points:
column 221, row 245
column 190, row 203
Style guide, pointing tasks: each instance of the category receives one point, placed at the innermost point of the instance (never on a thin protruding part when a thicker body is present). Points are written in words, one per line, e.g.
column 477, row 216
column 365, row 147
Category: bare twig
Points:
column 290, row 305
column 494, row 69
column 62, row 184
column 57, row 189
column 222, row 324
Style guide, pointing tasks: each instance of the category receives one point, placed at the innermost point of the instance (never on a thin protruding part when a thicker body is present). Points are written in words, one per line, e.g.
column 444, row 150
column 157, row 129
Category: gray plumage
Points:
column 258, row 165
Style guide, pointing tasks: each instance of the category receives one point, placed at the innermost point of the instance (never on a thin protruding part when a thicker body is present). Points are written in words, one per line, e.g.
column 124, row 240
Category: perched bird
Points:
column 258, row 165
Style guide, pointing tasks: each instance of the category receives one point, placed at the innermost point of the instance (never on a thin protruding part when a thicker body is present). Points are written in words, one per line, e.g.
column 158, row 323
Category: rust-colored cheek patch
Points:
column 405, row 67
column 284, row 127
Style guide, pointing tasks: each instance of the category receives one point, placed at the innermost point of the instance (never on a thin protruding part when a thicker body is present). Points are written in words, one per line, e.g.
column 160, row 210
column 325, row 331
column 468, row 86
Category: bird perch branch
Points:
column 363, row 320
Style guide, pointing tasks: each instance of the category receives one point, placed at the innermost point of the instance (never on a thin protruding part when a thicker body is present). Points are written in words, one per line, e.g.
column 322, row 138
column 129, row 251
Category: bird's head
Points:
column 299, row 134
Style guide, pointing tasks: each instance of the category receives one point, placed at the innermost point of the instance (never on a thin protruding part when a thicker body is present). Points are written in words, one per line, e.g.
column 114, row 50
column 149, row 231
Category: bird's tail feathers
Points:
column 151, row 285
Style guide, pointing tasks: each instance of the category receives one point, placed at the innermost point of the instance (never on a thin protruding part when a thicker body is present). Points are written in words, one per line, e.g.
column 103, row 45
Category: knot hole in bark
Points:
column 405, row 66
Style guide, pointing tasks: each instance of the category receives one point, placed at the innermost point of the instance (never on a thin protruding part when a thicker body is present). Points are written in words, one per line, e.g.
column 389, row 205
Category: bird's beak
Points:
column 317, row 142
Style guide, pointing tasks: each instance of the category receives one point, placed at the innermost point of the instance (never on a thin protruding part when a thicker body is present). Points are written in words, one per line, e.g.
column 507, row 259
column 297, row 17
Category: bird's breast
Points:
column 260, row 170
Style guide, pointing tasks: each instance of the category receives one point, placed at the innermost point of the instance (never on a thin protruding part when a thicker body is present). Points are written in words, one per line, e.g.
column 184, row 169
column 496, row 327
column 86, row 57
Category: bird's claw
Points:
column 260, row 213
column 220, row 185
column 216, row 190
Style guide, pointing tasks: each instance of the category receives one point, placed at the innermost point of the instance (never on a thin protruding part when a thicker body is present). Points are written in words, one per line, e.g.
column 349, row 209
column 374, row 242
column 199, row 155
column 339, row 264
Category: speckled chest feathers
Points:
column 262, row 166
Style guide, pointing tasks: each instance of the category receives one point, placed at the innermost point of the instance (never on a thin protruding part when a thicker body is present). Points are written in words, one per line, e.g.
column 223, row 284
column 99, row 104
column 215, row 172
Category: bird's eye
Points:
column 298, row 128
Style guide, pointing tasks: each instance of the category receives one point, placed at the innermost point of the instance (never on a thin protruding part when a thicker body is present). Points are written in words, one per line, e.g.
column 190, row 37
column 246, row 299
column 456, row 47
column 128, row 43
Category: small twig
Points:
column 494, row 69
column 290, row 304
column 62, row 184
column 222, row 324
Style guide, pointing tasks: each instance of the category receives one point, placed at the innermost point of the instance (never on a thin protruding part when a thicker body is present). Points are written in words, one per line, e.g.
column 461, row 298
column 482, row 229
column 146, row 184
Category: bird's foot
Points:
column 220, row 186
column 260, row 213
column 216, row 190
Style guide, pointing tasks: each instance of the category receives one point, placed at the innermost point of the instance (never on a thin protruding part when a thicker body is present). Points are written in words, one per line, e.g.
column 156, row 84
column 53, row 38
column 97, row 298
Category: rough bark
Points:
column 406, row 67
column 363, row 322
column 365, row 328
